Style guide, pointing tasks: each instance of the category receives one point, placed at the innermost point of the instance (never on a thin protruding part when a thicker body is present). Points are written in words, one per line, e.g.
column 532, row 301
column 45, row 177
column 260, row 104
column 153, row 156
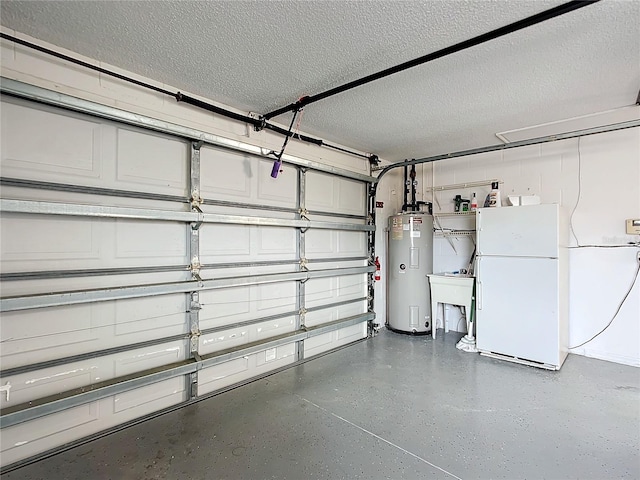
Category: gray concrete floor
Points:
column 392, row 407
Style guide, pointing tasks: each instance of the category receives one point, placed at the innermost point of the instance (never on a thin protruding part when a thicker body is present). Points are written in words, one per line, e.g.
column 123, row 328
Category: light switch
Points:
column 633, row 226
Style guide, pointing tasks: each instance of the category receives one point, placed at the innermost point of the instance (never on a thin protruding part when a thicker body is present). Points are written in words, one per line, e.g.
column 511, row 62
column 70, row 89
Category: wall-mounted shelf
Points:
column 453, row 214
column 461, row 186
column 454, row 233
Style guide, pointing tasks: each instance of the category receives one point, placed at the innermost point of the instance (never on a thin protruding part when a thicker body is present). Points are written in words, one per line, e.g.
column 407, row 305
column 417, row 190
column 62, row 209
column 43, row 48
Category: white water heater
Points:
column 410, row 259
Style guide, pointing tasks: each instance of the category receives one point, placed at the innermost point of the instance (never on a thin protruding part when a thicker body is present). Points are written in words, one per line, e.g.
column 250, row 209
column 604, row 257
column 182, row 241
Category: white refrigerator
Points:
column 522, row 291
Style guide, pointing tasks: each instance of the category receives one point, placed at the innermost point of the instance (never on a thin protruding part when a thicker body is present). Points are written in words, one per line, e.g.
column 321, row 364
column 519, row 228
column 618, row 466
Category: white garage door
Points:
column 141, row 271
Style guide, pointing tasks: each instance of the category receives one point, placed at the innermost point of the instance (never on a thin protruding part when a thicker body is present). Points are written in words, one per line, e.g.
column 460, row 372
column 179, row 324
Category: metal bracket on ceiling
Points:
column 260, row 122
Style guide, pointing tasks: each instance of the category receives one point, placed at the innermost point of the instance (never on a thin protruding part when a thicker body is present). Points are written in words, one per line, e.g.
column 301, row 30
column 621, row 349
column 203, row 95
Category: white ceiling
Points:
column 261, row 55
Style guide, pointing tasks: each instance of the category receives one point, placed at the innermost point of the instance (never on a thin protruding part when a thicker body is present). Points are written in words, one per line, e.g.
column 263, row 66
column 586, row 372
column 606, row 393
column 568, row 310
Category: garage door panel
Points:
column 30, row 386
column 32, row 287
column 267, row 360
column 225, row 243
column 146, row 397
column 320, row 192
column 352, row 309
column 238, row 304
column 146, row 160
column 218, row 242
column 29, row 438
column 318, row 344
column 33, row 336
column 351, row 196
column 228, row 373
column 281, row 191
column 352, row 243
column 38, row 242
column 275, row 298
column 319, row 317
column 319, row 291
column 64, row 331
column 163, row 313
column 320, row 243
column 25, row 247
column 335, row 194
column 275, row 243
column 331, row 243
column 328, row 341
column 230, row 271
column 217, row 341
column 272, row 328
column 229, row 305
column 38, row 145
column 157, row 243
column 23, row 439
column 351, row 286
column 48, row 253
column 226, row 175
column 145, row 358
column 242, row 178
column 351, row 334
column 234, row 337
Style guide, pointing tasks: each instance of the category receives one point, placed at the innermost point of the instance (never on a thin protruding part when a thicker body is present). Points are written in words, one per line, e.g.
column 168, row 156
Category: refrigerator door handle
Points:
column 478, row 283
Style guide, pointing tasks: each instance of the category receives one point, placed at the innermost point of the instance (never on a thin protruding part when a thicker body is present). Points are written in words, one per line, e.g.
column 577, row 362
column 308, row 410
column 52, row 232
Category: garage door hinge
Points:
column 195, row 268
column 195, row 303
column 194, row 342
column 303, row 264
column 301, row 313
column 196, row 199
column 304, row 213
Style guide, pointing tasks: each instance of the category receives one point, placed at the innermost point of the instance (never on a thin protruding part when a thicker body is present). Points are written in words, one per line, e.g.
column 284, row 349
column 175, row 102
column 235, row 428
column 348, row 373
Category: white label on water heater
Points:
column 415, row 234
column 405, row 226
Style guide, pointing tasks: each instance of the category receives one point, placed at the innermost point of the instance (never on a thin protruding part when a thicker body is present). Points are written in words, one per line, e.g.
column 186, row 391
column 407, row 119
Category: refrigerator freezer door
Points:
column 527, row 231
column 517, row 308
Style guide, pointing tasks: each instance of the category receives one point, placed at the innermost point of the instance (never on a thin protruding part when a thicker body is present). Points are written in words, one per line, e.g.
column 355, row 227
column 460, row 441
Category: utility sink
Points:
column 454, row 289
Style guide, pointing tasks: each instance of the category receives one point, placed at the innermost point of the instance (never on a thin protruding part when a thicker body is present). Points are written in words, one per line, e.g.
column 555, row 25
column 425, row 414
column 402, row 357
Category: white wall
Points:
column 606, row 172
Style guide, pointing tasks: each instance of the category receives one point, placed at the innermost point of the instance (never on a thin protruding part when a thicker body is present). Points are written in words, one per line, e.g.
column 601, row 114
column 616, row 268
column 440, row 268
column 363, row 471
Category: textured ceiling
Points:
column 260, row 55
